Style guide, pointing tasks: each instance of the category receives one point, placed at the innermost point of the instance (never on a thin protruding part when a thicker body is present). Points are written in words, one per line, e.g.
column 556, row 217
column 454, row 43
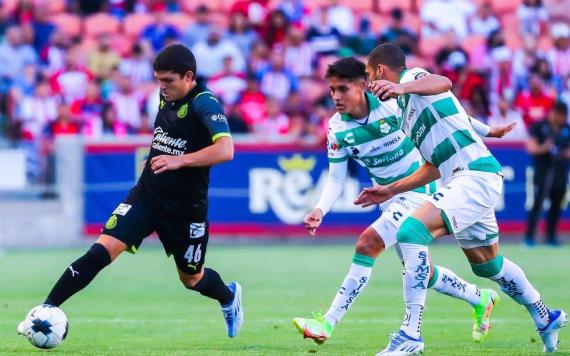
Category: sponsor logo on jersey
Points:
column 392, row 141
column 197, row 230
column 420, row 75
column 163, row 142
column 122, row 209
column 219, row 117
column 409, row 117
column 182, row 111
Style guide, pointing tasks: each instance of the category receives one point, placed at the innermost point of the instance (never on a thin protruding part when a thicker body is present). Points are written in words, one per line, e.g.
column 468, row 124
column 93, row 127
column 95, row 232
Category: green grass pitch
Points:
column 138, row 307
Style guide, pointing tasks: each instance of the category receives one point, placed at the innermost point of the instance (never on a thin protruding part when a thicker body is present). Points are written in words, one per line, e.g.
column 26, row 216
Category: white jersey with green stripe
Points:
column 439, row 126
column 376, row 143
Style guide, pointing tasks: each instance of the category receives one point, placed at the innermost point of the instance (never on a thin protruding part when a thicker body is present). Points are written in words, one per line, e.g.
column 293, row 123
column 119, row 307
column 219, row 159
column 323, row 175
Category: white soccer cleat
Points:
column 549, row 334
column 233, row 312
column 402, row 345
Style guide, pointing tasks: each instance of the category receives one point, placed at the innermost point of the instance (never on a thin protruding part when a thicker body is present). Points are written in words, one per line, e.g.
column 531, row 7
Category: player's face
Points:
column 173, row 86
column 347, row 95
column 375, row 73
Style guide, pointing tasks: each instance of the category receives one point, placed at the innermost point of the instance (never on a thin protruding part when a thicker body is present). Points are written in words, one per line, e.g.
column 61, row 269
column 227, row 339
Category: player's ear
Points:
column 189, row 76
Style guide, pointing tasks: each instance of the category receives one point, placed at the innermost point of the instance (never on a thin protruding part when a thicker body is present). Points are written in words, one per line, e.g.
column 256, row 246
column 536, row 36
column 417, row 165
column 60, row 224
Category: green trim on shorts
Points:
column 489, row 268
column 491, row 236
column 363, row 260
column 132, row 249
column 414, row 232
column 446, row 221
column 433, row 278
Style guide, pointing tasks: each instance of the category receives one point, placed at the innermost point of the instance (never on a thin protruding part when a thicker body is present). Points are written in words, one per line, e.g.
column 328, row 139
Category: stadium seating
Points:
column 101, row 23
column 68, row 23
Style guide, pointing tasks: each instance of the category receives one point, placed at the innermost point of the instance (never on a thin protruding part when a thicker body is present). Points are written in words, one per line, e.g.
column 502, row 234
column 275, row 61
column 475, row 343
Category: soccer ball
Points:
column 45, row 326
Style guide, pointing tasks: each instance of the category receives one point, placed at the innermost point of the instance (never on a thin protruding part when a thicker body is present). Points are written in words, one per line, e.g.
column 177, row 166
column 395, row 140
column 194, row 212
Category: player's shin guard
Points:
column 212, row 286
column 512, row 280
column 79, row 274
column 353, row 284
column 446, row 282
column 414, row 238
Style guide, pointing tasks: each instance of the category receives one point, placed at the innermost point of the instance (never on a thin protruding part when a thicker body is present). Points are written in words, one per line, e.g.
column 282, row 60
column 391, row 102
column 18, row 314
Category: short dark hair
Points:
column 388, row 54
column 560, row 108
column 175, row 58
column 348, row 68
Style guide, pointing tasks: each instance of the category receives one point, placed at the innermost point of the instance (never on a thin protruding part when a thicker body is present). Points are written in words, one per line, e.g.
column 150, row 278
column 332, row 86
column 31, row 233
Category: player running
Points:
column 171, row 197
column 464, row 205
column 368, row 131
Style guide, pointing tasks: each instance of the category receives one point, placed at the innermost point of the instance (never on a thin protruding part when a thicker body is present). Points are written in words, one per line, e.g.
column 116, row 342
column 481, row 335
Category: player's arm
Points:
column 380, row 193
column 424, row 84
column 485, row 130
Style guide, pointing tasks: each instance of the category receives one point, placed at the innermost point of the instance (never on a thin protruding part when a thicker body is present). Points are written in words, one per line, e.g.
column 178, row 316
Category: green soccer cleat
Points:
column 317, row 329
column 482, row 314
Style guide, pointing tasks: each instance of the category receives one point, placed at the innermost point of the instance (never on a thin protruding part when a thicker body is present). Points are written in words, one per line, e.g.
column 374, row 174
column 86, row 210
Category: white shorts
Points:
column 394, row 212
column 468, row 200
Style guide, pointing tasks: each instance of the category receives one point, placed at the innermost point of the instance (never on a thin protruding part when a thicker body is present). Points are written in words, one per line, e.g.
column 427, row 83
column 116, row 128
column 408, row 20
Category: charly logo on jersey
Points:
column 182, row 111
column 170, row 145
column 288, row 191
column 197, row 230
column 384, row 126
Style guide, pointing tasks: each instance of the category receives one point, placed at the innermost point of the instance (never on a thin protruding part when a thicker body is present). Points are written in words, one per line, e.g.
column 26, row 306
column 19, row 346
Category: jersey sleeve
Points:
column 335, row 152
column 413, row 74
column 211, row 113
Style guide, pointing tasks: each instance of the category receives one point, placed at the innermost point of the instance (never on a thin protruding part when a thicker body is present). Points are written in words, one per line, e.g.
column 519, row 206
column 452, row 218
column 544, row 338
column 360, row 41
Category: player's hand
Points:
column 313, row 221
column 374, row 195
column 165, row 163
column 384, row 89
column 502, row 130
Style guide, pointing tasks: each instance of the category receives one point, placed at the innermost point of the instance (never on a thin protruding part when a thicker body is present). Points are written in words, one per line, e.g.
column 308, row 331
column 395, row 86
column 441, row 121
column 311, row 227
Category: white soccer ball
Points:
column 45, row 326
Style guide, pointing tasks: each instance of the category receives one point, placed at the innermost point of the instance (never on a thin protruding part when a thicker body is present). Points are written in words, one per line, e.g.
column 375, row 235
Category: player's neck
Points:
column 362, row 110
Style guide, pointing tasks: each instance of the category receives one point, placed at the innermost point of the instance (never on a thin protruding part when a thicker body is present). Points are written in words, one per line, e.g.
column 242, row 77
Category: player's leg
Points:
column 188, row 242
column 536, row 210
column 487, row 262
column 557, row 193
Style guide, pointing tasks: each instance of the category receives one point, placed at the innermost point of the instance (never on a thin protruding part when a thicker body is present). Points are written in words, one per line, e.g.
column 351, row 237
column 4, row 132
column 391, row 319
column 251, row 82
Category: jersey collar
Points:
column 373, row 104
column 404, row 99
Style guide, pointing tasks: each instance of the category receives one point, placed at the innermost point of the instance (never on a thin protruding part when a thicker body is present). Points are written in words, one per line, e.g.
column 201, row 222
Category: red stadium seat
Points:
column 359, row 5
column 378, row 22
column 545, row 43
column 513, row 39
column 56, row 6
column 101, row 23
column 506, row 6
column 190, row 6
column 387, row 5
column 429, row 46
column 510, row 21
column 122, row 44
column 135, row 23
column 179, row 20
column 67, row 23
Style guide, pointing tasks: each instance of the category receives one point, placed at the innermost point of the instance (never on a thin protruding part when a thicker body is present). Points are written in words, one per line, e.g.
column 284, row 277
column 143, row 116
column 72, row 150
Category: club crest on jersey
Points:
column 111, row 223
column 182, row 111
column 384, row 126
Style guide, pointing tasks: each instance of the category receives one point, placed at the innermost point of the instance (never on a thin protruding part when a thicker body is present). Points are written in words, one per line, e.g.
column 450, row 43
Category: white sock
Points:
column 514, row 283
column 416, row 276
column 354, row 283
column 446, row 282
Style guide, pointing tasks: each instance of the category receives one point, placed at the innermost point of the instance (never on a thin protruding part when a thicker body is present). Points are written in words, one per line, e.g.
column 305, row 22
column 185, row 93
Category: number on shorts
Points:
column 397, row 215
column 437, row 195
column 193, row 256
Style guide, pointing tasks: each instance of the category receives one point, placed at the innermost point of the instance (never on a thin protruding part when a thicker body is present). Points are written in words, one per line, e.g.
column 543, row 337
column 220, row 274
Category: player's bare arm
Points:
column 431, row 84
column 313, row 220
column 221, row 151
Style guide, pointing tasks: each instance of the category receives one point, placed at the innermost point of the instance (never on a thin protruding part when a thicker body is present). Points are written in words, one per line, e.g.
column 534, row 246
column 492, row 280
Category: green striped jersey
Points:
column 440, row 128
column 376, row 142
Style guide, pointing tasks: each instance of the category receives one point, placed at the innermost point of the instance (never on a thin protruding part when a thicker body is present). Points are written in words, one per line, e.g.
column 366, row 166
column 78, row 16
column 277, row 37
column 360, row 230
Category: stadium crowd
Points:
column 85, row 67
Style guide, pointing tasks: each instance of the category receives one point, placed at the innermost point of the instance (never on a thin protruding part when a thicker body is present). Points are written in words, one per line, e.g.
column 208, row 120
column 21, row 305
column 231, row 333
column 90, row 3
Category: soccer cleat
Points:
column 402, row 345
column 233, row 312
column 317, row 329
column 549, row 334
column 482, row 313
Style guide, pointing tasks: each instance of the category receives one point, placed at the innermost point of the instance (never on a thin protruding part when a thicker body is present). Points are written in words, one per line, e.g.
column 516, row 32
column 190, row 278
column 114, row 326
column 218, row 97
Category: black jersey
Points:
column 181, row 127
column 542, row 131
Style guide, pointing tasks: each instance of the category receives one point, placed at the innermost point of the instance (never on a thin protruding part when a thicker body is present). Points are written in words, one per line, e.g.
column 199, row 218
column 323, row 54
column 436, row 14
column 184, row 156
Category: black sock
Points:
column 212, row 286
column 79, row 274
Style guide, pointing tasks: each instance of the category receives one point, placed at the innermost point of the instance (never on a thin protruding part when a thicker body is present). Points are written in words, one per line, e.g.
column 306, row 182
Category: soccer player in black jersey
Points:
column 171, row 197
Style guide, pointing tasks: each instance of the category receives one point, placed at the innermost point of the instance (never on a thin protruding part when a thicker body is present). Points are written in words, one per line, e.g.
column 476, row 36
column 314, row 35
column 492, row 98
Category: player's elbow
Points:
column 227, row 153
column 445, row 84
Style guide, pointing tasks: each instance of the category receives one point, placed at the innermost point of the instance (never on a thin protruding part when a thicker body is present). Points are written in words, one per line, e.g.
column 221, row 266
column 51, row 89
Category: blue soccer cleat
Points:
column 233, row 312
column 549, row 334
column 402, row 345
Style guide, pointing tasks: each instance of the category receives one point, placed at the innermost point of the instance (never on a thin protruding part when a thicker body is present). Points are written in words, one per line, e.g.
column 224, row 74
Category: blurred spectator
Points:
column 252, row 106
column 210, row 54
column 565, row 96
column 14, row 54
column 53, row 56
column 532, row 17
column 227, row 84
column 25, row 85
column 552, row 82
column 340, row 17
column 120, row 8
column 364, row 41
column 198, row 31
column 258, row 58
column 524, row 58
column 293, row 9
column 103, row 58
column 323, row 38
column 90, row 107
column 64, row 124
column 277, row 81
column 127, row 102
column 559, row 55
column 558, row 10
column 110, row 124
column 441, row 16
column 451, row 46
column 42, row 27
column 71, row 81
column 502, row 80
column 88, row 7
column 397, row 32
column 240, row 33
column 549, row 147
column 484, row 22
column 299, row 56
column 255, row 10
column 136, row 66
column 275, row 124
column 36, row 111
column 275, row 30
column 534, row 103
column 235, row 122
column 159, row 33
column 503, row 114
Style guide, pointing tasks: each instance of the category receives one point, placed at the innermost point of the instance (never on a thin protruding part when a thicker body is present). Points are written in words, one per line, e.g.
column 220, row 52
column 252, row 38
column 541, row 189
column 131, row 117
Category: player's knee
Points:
column 414, row 231
column 369, row 244
column 112, row 245
column 488, row 269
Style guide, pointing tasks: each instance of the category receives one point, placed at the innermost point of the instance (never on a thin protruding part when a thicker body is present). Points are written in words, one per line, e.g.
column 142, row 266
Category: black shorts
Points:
column 135, row 219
